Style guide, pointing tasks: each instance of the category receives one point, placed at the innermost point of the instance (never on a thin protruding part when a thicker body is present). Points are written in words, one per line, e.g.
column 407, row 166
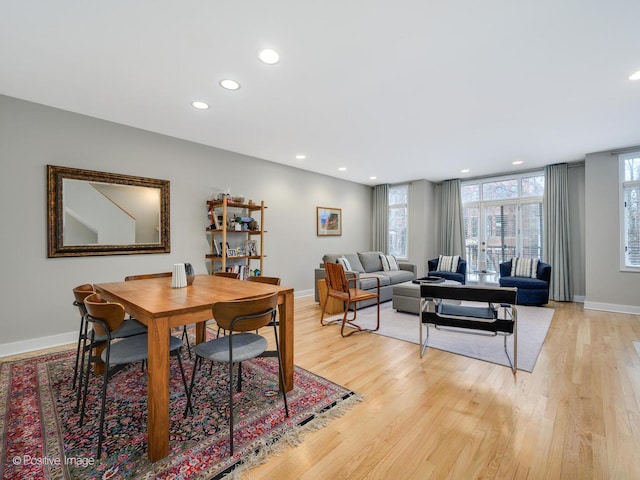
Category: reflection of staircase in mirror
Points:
column 93, row 218
column 77, row 232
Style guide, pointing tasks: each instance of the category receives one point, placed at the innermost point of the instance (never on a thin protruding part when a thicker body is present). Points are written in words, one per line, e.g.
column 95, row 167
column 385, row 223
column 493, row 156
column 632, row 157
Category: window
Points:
column 502, row 219
column 630, row 210
column 398, row 220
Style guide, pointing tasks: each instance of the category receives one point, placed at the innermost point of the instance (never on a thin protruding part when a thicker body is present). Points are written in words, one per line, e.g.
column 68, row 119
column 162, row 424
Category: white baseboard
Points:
column 303, row 293
column 610, row 307
column 32, row 344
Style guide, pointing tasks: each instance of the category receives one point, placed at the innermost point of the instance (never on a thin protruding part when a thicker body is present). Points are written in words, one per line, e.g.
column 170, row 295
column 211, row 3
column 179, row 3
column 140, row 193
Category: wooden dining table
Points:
column 160, row 307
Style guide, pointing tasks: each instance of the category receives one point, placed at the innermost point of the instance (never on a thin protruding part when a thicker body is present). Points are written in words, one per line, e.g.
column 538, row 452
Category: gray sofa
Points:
column 368, row 264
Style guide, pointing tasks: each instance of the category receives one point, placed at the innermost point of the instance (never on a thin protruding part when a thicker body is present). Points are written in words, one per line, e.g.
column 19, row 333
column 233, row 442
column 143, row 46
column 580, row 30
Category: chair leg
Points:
column 191, row 385
column 280, row 370
column 105, row 381
column 184, row 380
column 231, row 407
column 86, row 385
column 350, row 321
column 423, row 347
column 80, row 337
column 185, row 338
column 84, row 351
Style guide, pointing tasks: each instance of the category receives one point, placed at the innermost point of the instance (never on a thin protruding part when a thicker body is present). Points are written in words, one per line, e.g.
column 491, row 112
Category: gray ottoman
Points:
column 406, row 296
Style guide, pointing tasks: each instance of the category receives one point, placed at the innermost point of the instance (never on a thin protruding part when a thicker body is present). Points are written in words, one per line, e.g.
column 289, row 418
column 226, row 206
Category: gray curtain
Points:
column 451, row 238
column 555, row 206
column 380, row 219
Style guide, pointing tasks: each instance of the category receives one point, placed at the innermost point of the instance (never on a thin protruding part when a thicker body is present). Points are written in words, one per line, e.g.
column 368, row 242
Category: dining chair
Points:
column 128, row 328
column 79, row 294
column 144, row 276
column 240, row 317
column 105, row 318
column 339, row 287
column 228, row 275
column 235, row 276
column 268, row 281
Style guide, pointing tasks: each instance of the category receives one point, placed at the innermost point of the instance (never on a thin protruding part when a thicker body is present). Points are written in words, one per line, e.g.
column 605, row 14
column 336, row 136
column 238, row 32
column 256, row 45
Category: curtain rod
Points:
column 625, row 150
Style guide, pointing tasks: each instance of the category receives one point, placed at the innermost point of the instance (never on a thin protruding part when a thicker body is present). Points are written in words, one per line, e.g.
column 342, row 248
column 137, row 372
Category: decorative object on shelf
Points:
column 328, row 221
column 251, row 248
column 179, row 276
column 190, row 273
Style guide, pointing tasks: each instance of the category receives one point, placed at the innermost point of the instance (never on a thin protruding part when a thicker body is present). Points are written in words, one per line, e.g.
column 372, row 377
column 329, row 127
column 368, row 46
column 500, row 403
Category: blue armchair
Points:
column 460, row 275
column 531, row 291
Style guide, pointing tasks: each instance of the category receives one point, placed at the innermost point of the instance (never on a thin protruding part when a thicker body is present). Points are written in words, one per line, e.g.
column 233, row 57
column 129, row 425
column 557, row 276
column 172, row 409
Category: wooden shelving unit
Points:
column 228, row 239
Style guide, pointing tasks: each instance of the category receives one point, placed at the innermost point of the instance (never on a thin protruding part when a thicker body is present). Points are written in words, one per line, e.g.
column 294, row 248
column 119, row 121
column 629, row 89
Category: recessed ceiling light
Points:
column 635, row 76
column 229, row 84
column 517, row 162
column 200, row 105
column 465, row 170
column 301, row 157
column 373, row 178
column 342, row 169
column 269, row 56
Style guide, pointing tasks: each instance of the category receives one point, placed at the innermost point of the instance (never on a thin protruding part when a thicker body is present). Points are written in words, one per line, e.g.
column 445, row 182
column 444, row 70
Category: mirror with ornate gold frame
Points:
column 98, row 213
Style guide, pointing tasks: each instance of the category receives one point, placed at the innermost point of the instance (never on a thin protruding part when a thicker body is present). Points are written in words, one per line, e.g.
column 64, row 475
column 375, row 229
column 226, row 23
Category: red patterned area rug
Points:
column 40, row 436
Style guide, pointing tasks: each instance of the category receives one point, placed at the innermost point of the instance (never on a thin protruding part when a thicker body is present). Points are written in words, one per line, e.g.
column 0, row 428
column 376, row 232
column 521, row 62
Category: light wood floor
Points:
column 577, row 416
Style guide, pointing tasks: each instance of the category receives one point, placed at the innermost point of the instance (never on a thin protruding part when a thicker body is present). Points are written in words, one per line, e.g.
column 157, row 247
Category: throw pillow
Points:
column 448, row 263
column 524, row 267
column 345, row 263
column 389, row 263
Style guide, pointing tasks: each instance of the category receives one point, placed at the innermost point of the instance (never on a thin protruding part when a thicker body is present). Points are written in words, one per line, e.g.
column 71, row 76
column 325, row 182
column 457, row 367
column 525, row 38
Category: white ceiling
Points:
column 399, row 89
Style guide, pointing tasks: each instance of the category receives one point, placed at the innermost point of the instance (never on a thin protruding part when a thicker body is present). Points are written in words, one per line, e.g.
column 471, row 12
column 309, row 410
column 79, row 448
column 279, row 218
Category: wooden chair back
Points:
column 111, row 313
column 268, row 280
column 337, row 284
column 147, row 275
column 80, row 293
column 228, row 275
column 246, row 315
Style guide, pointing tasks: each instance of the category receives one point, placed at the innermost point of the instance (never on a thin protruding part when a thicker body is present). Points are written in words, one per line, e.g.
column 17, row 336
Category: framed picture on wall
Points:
column 328, row 221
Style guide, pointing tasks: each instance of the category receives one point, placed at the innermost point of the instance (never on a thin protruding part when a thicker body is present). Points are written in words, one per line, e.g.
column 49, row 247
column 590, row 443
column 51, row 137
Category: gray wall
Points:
column 36, row 291
column 607, row 287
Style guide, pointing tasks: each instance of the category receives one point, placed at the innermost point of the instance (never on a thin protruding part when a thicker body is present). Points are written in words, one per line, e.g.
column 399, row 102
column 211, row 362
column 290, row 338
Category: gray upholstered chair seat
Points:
column 127, row 328
column 134, row 349
column 245, row 346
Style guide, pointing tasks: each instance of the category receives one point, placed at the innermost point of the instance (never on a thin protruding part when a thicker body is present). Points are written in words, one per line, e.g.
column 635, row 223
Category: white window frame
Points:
column 623, row 233
column 520, row 200
column 404, row 206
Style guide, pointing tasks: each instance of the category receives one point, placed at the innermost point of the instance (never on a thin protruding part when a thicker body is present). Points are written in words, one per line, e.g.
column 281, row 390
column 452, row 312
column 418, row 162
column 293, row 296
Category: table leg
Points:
column 286, row 338
column 200, row 332
column 158, row 389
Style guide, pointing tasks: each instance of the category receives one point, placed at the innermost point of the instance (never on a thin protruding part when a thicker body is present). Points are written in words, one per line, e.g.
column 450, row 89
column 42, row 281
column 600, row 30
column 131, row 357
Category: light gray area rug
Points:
column 533, row 325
